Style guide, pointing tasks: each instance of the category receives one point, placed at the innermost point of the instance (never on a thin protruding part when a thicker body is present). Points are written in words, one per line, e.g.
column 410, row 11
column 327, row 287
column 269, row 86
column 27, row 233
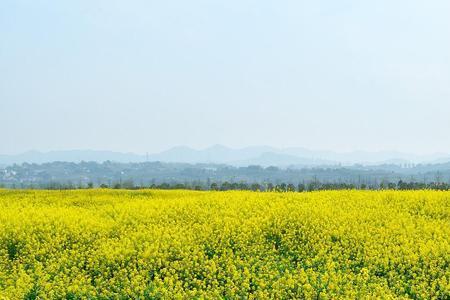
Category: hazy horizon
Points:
column 142, row 76
column 211, row 147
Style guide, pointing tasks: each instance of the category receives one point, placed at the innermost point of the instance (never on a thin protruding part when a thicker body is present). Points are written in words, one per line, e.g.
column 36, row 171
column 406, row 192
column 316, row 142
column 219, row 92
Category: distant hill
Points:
column 218, row 154
column 70, row 156
column 213, row 154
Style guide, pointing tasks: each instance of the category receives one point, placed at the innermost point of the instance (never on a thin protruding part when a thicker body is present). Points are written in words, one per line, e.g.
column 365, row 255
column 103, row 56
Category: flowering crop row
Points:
column 109, row 244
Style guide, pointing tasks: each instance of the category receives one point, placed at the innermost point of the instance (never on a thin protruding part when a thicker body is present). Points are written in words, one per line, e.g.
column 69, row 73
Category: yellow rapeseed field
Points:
column 116, row 244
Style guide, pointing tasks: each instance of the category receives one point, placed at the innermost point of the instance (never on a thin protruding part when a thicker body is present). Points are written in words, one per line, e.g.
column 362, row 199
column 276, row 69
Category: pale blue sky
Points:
column 147, row 75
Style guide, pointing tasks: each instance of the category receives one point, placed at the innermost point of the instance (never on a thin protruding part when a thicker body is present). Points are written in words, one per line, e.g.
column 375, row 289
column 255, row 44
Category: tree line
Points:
column 65, row 175
column 245, row 186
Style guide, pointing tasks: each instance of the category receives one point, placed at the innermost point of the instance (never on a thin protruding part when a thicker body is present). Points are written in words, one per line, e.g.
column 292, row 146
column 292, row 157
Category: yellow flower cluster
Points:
column 112, row 244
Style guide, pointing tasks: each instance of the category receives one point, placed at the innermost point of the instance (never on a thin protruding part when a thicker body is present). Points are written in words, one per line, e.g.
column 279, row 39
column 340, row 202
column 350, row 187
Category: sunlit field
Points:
column 109, row 244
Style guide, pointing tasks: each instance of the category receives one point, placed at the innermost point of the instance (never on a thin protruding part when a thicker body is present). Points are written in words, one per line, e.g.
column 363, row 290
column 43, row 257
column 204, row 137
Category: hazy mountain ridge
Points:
column 69, row 156
column 218, row 154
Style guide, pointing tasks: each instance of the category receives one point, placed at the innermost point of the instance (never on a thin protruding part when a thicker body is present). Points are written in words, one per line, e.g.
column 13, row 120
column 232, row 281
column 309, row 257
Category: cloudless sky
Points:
column 148, row 75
